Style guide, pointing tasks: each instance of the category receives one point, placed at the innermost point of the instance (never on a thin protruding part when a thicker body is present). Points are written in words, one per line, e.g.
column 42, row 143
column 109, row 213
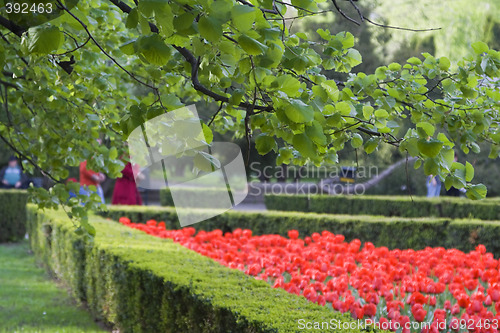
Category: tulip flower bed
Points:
column 431, row 290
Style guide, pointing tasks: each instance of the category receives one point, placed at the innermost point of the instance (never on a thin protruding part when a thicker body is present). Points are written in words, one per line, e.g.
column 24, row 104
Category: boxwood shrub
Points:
column 140, row 283
column 392, row 232
column 167, row 200
column 12, row 215
column 487, row 209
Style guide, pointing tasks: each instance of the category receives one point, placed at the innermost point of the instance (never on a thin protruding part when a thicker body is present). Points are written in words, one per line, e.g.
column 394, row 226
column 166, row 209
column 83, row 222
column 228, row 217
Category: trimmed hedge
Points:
column 167, row 200
column 12, row 215
column 487, row 209
column 140, row 283
column 392, row 232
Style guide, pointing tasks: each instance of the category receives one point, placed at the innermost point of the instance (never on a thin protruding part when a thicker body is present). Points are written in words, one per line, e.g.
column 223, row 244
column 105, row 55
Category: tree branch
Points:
column 264, row 10
column 191, row 59
column 101, row 48
column 8, row 84
column 16, row 29
column 344, row 14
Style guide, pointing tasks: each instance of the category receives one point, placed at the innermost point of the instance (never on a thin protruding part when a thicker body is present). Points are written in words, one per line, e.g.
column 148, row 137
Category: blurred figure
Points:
column 453, row 191
column 71, row 180
column 125, row 191
column 12, row 175
column 433, row 186
column 89, row 178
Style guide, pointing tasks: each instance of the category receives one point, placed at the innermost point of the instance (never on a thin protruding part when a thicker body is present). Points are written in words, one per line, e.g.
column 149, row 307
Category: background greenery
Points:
column 12, row 215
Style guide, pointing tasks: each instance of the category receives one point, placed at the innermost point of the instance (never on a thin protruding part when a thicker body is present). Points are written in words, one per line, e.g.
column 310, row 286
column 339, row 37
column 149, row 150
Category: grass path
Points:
column 31, row 302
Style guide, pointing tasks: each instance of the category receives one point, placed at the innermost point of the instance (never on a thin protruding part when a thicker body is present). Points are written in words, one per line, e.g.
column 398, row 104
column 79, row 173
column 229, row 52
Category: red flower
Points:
column 418, row 312
column 293, row 234
column 325, row 269
column 463, row 301
column 124, row 220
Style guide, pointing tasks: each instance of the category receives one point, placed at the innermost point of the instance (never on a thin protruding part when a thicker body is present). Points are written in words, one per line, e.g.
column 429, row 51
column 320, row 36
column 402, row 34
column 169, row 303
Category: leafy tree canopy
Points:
column 102, row 68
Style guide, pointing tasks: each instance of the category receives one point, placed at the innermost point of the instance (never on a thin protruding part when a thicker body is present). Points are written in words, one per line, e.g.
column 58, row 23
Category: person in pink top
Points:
column 125, row 191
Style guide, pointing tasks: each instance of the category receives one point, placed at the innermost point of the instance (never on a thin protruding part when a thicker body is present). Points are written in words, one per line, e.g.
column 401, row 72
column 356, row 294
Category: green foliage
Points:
column 393, row 232
column 404, row 206
column 102, row 68
column 141, row 283
column 12, row 215
column 167, row 200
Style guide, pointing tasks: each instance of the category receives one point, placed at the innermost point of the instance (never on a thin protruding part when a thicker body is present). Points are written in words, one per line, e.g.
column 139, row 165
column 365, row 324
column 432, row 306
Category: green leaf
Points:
column 206, row 162
column 132, row 19
column 444, row 63
column 289, row 85
column 243, row 17
column 414, row 61
column 264, row 144
column 370, row 145
column 113, row 153
column 443, row 138
column 428, row 128
column 356, row 140
column 304, row 145
column 367, row 111
column 184, row 23
column 431, row 167
column 354, row 57
column 480, row 47
column 430, row 148
column 331, row 89
column 476, row 192
column 395, row 67
column 42, row 39
column 251, row 46
column 475, row 147
column 153, row 49
column 299, row 112
column 284, row 156
column 164, row 19
column 469, row 172
column 128, row 48
column 236, row 97
column 411, row 146
column 418, row 164
column 210, row 28
column 344, row 108
column 207, row 133
column 381, row 113
column 447, row 157
column 315, row 132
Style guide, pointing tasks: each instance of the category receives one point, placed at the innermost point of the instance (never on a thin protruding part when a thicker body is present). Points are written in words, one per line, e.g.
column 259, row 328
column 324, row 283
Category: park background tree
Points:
column 74, row 79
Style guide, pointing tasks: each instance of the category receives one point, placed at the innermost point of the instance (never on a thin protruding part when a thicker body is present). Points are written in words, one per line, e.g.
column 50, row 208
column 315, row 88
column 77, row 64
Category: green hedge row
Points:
column 140, row 283
column 167, row 200
column 393, row 232
column 12, row 215
column 487, row 209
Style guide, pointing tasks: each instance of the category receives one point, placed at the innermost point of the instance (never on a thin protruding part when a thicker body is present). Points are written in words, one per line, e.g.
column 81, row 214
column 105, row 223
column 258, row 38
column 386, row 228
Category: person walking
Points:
column 12, row 176
column 89, row 178
column 125, row 191
column 433, row 186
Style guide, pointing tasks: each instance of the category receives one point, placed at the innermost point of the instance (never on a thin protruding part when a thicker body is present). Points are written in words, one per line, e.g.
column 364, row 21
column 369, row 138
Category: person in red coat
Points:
column 125, row 192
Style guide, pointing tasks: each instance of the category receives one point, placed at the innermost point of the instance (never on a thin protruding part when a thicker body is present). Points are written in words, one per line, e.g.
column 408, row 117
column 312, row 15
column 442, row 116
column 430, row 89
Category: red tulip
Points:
column 293, row 234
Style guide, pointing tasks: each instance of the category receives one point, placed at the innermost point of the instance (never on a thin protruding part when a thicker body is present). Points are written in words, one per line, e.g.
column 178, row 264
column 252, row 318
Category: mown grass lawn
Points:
column 31, row 302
